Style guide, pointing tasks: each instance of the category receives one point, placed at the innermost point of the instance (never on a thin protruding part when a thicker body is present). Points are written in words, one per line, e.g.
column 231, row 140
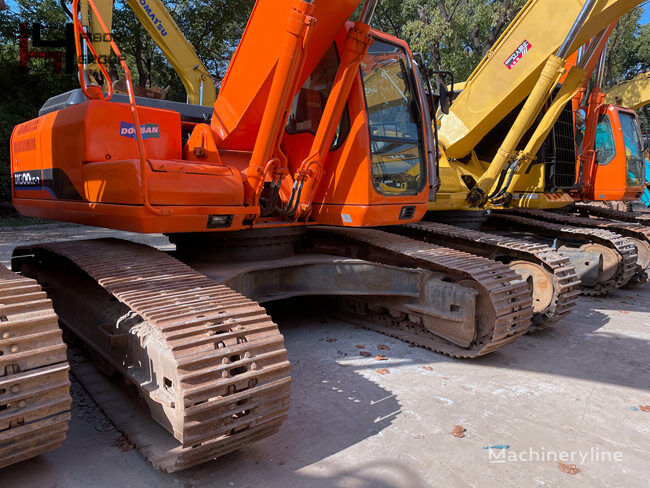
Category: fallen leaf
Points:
column 426, row 368
column 383, row 347
column 360, row 346
column 418, row 436
column 383, row 371
column 365, row 354
column 623, row 311
column 445, row 378
column 458, row 431
column 379, row 357
column 123, row 443
column 331, row 339
column 567, row 468
column 644, row 408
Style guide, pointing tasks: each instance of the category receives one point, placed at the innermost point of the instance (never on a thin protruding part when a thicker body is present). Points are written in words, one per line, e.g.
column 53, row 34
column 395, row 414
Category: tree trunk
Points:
column 139, row 63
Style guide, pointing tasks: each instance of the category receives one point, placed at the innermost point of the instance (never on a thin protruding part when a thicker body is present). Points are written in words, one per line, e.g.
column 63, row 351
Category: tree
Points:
column 24, row 93
column 451, row 34
column 626, row 49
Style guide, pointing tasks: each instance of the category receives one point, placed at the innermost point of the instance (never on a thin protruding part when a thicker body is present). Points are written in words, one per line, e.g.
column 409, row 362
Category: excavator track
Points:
column 637, row 233
column 610, row 213
column 35, row 396
column 558, row 302
column 510, row 303
column 226, row 374
column 625, row 250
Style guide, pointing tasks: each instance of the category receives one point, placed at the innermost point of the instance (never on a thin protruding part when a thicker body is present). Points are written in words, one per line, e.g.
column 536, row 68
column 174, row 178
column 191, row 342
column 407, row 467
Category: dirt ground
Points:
column 573, row 391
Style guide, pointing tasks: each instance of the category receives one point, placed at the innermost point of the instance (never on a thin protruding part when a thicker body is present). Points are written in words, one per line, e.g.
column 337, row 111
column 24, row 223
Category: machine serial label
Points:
column 514, row 58
column 25, row 145
column 148, row 131
column 28, row 179
column 30, row 126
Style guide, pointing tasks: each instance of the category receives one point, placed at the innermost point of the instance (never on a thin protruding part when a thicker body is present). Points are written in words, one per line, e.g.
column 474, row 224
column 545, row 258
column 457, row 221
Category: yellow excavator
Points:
column 508, row 143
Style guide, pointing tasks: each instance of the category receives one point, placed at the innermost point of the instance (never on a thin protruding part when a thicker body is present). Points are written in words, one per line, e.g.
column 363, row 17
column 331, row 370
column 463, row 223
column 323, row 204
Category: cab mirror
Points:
column 580, row 119
column 444, row 98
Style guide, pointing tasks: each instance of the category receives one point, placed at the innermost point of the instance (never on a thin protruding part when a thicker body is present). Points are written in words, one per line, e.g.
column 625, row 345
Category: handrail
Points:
column 80, row 32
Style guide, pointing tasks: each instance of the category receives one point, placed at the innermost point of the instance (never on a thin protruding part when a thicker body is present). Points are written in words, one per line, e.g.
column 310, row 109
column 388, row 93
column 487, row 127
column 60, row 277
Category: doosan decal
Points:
column 148, row 131
column 514, row 58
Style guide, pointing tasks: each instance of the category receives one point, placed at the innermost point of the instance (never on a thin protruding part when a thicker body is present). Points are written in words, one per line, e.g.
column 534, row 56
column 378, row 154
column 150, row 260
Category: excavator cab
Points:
column 395, row 120
column 618, row 169
column 618, row 143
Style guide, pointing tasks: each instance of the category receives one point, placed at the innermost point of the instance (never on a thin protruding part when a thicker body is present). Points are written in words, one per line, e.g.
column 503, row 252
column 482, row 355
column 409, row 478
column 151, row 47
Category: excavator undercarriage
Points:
column 637, row 234
column 210, row 364
column 35, row 396
column 590, row 210
column 550, row 277
column 617, row 257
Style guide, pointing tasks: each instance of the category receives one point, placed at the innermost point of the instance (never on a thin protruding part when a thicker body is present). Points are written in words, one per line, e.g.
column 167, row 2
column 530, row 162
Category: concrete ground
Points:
column 574, row 390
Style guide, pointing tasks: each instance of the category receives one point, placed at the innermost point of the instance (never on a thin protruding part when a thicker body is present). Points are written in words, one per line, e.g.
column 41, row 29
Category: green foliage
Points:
column 451, row 34
column 23, row 94
column 213, row 27
column 628, row 50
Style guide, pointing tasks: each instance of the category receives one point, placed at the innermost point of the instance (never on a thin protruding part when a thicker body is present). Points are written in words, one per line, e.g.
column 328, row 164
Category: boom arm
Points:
column 634, row 93
column 513, row 66
column 502, row 81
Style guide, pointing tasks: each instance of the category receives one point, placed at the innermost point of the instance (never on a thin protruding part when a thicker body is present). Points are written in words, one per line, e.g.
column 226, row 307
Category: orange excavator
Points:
column 612, row 149
column 611, row 166
column 321, row 130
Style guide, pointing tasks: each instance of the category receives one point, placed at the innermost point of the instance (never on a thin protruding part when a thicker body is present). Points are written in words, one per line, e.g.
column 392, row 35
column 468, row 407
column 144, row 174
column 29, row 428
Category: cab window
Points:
column 633, row 149
column 604, row 141
column 308, row 106
column 394, row 119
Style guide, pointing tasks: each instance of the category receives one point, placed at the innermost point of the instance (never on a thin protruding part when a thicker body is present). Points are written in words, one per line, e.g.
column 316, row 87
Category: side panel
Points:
column 81, row 164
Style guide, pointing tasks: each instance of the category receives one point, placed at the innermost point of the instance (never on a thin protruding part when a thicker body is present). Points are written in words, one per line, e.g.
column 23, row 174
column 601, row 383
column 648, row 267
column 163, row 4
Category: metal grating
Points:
column 560, row 155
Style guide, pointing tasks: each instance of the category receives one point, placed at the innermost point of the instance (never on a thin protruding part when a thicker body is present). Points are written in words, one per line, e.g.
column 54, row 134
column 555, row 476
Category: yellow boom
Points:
column 634, row 93
column 523, row 67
